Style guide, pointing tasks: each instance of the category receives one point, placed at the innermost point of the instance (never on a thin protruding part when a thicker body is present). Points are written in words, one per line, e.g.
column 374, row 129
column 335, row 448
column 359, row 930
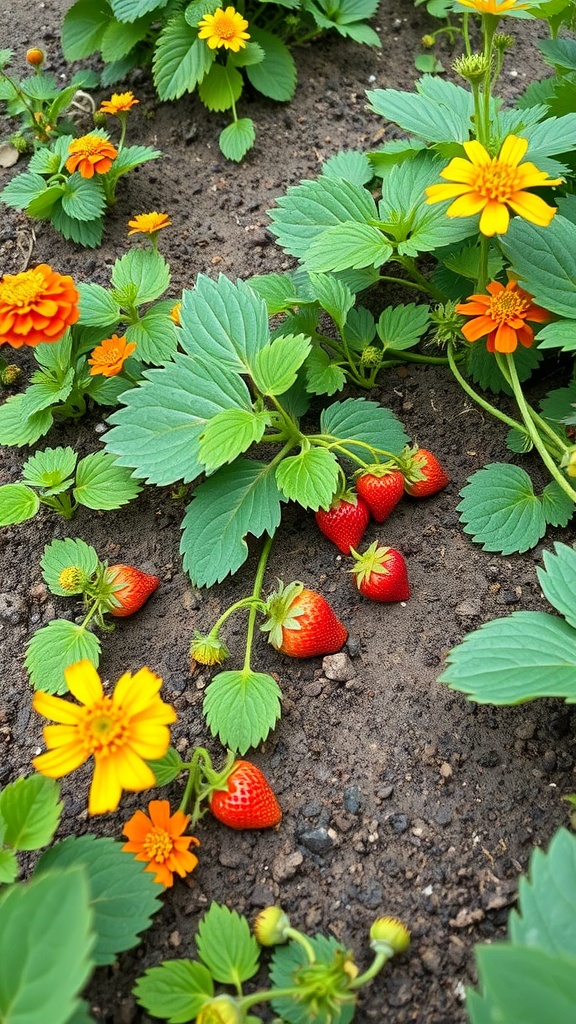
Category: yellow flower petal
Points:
column 84, row 682
column 494, row 219
column 56, row 709
column 59, row 762
column 105, row 791
column 476, row 153
column 532, row 208
column 513, row 150
column 439, row 193
column 460, row 170
column 59, row 735
column 467, row 205
column 135, row 693
column 132, row 772
column 150, row 741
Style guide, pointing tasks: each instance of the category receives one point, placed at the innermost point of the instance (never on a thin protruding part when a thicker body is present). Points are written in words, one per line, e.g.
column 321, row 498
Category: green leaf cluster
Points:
column 525, row 655
column 40, row 102
column 197, row 415
column 531, row 977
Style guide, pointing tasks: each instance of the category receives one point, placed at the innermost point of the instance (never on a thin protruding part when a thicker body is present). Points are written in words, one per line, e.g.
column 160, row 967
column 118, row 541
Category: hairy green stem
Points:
column 487, row 406
column 258, row 581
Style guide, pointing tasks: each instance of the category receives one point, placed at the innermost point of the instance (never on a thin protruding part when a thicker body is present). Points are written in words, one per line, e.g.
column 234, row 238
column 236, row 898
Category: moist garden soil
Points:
column 399, row 796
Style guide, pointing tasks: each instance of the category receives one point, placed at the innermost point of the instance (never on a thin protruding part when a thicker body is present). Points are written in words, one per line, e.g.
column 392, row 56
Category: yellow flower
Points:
column 497, row 7
column 489, row 185
column 175, row 314
column 121, row 732
column 119, row 103
column 148, row 223
column 89, row 155
column 224, row 28
column 109, row 356
column 158, row 838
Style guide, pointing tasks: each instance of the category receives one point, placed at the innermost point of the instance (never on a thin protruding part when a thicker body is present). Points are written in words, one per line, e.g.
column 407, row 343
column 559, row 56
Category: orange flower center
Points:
column 506, row 306
column 103, row 730
column 158, row 845
column 107, row 356
column 225, row 25
column 496, row 180
column 22, row 289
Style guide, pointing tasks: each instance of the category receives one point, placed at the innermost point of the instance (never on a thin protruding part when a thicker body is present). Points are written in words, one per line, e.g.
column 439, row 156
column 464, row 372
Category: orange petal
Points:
column 505, row 339
column 137, row 828
column 159, row 811
column 477, row 328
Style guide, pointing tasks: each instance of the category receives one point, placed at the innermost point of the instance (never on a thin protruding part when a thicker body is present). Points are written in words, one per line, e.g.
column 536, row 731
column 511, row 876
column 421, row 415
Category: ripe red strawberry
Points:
column 381, row 489
column 130, row 587
column 423, row 474
column 381, row 574
column 302, row 624
column 247, row 801
column 345, row 521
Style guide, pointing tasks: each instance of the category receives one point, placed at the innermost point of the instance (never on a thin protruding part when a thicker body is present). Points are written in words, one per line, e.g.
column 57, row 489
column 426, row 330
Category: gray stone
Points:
column 338, row 667
column 352, row 799
column 316, row 840
column 13, row 609
column 399, row 822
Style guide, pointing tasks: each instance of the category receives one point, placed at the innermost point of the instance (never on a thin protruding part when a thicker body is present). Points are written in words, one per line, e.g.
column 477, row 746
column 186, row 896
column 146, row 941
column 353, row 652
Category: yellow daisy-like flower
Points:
column 489, row 185
column 224, row 28
column 119, row 103
column 148, row 223
column 497, row 7
column 121, row 732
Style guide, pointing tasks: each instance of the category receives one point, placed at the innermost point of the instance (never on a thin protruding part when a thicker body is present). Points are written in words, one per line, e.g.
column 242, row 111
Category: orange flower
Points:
column 501, row 315
column 109, row 356
column 36, row 306
column 489, row 185
column 90, row 154
column 158, row 839
column 119, row 103
column 148, row 223
column 495, row 7
column 122, row 732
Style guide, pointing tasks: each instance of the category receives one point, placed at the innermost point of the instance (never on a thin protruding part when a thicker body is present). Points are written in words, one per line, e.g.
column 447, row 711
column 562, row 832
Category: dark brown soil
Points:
column 399, row 796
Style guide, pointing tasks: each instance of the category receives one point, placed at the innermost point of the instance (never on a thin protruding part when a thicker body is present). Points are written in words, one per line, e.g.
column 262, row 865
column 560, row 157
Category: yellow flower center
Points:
column 226, row 25
column 22, row 289
column 506, row 306
column 158, row 845
column 70, row 577
column 497, row 180
column 103, row 730
column 106, row 356
column 87, row 144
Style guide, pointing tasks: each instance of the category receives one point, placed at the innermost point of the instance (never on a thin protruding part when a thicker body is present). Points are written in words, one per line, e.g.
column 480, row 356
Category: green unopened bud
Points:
column 20, row 143
column 389, row 935
column 271, row 926
column 11, row 374
column 448, row 324
column 222, row 1010
column 427, row 41
column 208, row 650
column 503, row 42
column 99, row 118
column 569, row 462
column 473, row 67
column 371, row 356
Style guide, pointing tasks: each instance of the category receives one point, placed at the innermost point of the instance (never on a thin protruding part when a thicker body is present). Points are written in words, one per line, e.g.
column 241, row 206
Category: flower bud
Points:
column 174, row 314
column 72, row 579
column 473, row 67
column 222, row 1010
column 571, row 463
column 11, row 374
column 448, row 324
column 207, row 650
column 371, row 356
column 389, row 935
column 270, row 926
column 503, row 42
column 427, row 41
column 20, row 143
column 35, row 57
column 99, row 118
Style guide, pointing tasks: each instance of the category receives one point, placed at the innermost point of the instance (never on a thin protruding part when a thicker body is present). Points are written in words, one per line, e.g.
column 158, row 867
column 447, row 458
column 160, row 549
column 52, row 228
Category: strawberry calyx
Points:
column 208, row 649
column 373, row 560
column 282, row 611
column 411, row 464
column 379, row 469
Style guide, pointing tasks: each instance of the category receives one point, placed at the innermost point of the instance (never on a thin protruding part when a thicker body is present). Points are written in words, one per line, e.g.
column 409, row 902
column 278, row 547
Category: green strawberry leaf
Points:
column 523, row 984
column 123, row 896
column 64, row 554
column 229, row 434
column 53, row 648
column 166, row 768
column 17, row 504
column 101, row 483
column 242, row 707
column 181, row 59
column 362, row 420
column 176, row 991
column 226, row 322
column 546, row 913
column 309, row 478
column 50, row 469
column 19, row 428
column 9, row 867
column 401, row 327
column 515, row 659
column 237, row 138
column 349, row 246
column 308, row 209
column 156, row 338
column 30, row 810
column 334, row 296
column 558, row 580
column 141, row 275
column 226, row 945
column 276, row 365
column 221, row 87
column 500, row 510
column 323, row 377
column 238, row 499
column 98, row 308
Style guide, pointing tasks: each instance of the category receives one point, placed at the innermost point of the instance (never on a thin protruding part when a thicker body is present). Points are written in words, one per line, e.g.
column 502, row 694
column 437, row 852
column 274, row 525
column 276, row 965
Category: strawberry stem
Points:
column 257, row 603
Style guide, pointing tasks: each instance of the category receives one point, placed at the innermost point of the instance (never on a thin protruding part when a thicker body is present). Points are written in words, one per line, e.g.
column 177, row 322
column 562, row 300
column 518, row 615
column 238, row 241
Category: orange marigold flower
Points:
column 174, row 314
column 489, row 185
column 90, row 154
column 36, row 306
column 158, row 839
column 500, row 315
column 496, row 7
column 35, row 56
column 121, row 732
column 148, row 223
column 119, row 103
column 224, row 28
column 109, row 356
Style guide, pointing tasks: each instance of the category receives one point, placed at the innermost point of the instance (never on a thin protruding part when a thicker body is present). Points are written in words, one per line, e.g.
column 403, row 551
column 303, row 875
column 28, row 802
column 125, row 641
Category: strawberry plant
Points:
column 311, row 978
column 211, row 47
column 71, row 568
